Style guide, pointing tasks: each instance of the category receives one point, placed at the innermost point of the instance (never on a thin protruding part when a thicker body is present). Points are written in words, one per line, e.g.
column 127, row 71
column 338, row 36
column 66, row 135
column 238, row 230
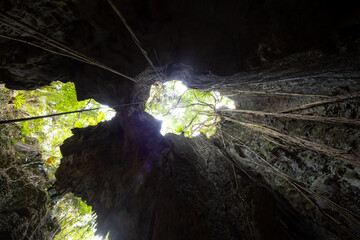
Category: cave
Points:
column 284, row 164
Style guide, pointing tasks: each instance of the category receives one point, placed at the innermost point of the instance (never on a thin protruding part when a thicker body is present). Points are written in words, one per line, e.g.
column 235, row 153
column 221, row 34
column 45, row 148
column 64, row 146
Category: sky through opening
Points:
column 185, row 111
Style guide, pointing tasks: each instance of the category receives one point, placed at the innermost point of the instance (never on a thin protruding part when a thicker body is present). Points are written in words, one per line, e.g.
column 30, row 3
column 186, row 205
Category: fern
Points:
column 19, row 100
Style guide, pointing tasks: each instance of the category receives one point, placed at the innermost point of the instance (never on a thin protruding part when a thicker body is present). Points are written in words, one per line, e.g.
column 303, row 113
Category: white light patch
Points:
column 164, row 128
column 108, row 112
column 178, row 87
column 96, row 237
column 178, row 112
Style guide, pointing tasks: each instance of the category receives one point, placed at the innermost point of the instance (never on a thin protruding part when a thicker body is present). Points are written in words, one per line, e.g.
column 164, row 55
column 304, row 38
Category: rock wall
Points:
column 208, row 35
column 285, row 170
column 284, row 165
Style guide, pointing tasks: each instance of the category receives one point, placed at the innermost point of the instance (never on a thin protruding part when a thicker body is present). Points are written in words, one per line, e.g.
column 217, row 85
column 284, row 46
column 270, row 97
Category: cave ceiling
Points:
column 146, row 186
column 224, row 38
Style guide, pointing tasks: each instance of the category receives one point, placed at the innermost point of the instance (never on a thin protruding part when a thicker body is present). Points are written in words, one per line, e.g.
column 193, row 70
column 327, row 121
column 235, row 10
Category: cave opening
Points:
column 186, row 111
column 283, row 165
column 47, row 134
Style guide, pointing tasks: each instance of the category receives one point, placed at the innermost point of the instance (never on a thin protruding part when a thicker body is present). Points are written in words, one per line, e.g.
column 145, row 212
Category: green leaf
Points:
column 100, row 117
column 180, row 129
column 78, row 124
column 19, row 100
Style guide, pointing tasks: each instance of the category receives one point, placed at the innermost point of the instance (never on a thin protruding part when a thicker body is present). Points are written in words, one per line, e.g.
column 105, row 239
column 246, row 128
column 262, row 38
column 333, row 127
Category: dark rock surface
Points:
column 208, row 35
column 284, row 167
column 259, row 177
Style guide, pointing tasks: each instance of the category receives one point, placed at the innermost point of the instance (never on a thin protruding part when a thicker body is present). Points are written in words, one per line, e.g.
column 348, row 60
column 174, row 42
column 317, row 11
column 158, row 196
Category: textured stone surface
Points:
column 142, row 203
column 261, row 176
column 208, row 35
column 246, row 182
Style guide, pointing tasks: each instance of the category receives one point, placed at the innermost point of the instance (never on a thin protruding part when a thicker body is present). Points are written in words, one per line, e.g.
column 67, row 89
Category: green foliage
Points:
column 55, row 98
column 180, row 129
column 18, row 100
column 76, row 218
column 185, row 111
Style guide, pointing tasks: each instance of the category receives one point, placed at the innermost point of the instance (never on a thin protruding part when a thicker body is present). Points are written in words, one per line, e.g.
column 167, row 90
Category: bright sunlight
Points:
column 181, row 110
column 76, row 218
column 185, row 111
